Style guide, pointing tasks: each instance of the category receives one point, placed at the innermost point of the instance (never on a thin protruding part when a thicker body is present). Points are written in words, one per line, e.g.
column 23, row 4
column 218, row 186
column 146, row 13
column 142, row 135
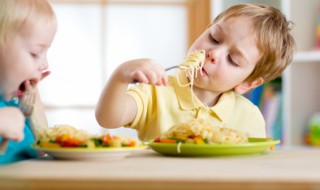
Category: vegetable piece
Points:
column 62, row 138
column 45, row 144
column 179, row 140
column 72, row 142
column 97, row 142
column 199, row 140
column 271, row 148
column 181, row 137
column 90, row 144
column 115, row 142
column 163, row 140
column 132, row 144
column 67, row 141
column 106, row 139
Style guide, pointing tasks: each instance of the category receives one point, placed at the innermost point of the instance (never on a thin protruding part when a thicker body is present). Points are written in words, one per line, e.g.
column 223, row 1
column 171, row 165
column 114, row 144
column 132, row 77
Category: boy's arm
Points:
column 115, row 107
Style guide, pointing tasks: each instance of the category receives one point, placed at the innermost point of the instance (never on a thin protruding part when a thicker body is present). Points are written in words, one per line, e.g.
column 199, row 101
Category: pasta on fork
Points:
column 193, row 64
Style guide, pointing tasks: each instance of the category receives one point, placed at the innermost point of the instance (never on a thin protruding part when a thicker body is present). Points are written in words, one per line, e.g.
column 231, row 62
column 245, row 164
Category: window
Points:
column 94, row 37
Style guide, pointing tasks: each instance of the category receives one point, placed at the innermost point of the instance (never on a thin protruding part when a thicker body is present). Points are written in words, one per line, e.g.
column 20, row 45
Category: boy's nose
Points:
column 44, row 65
column 211, row 56
column 214, row 55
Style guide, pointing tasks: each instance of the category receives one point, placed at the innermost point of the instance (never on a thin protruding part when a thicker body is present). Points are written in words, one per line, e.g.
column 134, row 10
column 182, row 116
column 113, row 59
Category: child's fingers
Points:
column 155, row 77
column 165, row 80
column 18, row 137
column 162, row 79
column 45, row 74
column 139, row 76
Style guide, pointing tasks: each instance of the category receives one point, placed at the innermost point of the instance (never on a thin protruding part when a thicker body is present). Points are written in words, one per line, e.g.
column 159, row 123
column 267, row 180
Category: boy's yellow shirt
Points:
column 160, row 107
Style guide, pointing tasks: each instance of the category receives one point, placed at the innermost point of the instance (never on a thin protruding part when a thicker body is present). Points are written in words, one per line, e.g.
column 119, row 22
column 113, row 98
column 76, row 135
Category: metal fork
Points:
column 176, row 67
column 26, row 104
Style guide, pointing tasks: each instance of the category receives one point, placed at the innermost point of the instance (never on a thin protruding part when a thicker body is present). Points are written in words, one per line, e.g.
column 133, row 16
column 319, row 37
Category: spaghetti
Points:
column 68, row 136
column 200, row 131
column 194, row 63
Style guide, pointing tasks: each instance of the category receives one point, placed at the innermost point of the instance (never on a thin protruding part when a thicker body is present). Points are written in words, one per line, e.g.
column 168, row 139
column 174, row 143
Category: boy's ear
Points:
column 246, row 86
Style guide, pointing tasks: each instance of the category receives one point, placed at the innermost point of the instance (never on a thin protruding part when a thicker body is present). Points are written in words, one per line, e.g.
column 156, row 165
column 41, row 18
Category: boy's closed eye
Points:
column 231, row 61
column 229, row 57
column 213, row 40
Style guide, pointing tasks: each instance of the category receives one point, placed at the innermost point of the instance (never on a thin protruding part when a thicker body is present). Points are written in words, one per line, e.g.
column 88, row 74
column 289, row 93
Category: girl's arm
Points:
column 11, row 123
column 115, row 108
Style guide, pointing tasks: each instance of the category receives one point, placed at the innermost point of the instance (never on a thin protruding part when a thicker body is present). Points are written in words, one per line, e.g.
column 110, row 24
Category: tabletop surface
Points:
column 145, row 169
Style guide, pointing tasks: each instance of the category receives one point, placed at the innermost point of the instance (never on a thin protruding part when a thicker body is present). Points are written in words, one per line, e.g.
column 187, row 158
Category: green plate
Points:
column 254, row 146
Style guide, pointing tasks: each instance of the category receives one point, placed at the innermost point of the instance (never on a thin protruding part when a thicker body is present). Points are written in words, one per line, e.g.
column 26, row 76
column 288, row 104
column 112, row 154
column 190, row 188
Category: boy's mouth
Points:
column 204, row 72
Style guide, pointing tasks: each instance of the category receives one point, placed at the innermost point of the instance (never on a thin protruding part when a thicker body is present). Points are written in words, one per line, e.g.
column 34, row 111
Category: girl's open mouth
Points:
column 22, row 89
column 24, row 86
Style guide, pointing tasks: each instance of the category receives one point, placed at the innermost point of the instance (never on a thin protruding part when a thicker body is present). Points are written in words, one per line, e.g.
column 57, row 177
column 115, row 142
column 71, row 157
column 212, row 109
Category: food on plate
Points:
column 200, row 131
column 68, row 136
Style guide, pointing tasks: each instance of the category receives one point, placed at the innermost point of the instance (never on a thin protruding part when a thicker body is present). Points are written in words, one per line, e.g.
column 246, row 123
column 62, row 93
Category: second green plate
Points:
column 254, row 146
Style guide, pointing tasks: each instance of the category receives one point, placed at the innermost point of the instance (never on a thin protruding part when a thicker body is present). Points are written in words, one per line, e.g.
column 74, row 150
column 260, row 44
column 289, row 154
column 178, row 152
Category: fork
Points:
column 26, row 104
column 176, row 67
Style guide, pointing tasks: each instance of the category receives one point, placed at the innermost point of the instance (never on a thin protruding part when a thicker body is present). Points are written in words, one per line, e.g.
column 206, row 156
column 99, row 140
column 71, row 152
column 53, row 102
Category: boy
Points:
column 27, row 29
column 246, row 46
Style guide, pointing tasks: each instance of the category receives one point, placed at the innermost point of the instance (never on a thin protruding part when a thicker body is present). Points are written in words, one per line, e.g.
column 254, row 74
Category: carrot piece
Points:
column 62, row 138
column 168, row 140
column 132, row 143
column 106, row 139
column 271, row 147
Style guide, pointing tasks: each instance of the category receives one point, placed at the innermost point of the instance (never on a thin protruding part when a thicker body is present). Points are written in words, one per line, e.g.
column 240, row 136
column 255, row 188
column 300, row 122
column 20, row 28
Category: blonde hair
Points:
column 18, row 14
column 272, row 33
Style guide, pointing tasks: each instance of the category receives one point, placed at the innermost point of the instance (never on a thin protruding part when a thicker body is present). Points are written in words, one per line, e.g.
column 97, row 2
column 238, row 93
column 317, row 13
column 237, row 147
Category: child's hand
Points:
column 144, row 71
column 12, row 123
column 34, row 82
column 38, row 119
column 45, row 74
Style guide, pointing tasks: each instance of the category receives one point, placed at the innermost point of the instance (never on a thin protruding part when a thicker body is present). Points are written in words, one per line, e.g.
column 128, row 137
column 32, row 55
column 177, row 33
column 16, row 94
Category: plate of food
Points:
column 198, row 138
column 67, row 142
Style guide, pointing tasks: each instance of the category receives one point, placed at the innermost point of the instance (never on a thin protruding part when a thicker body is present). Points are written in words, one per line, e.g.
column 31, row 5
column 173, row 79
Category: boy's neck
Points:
column 208, row 98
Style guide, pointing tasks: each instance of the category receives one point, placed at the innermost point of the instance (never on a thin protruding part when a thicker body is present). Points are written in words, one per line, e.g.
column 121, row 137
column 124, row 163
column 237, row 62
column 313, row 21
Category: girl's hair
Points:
column 18, row 14
column 272, row 33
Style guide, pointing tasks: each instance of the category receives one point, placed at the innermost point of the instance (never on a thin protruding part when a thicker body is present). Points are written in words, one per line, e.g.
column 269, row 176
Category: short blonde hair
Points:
column 18, row 14
column 273, row 38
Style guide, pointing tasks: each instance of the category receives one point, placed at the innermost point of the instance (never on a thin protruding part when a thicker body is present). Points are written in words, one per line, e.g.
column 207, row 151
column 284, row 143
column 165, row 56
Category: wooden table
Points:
column 280, row 169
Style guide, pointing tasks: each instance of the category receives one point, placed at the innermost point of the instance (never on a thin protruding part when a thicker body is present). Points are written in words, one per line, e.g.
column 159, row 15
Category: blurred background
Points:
column 95, row 36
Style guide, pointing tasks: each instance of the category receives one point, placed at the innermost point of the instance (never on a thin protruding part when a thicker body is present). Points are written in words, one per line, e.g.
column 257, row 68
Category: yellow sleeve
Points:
column 141, row 95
